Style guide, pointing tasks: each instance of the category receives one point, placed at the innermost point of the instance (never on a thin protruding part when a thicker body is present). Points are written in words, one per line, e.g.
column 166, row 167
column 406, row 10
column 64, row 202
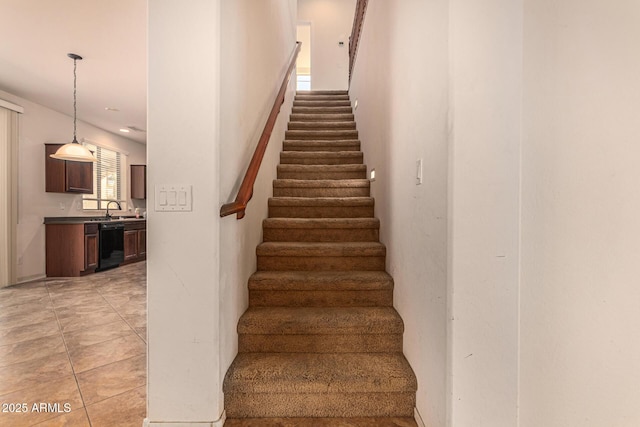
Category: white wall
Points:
column 303, row 64
column 486, row 84
column 580, row 317
column 214, row 70
column 258, row 38
column 543, row 204
column 331, row 22
column 401, row 84
column 40, row 125
column 183, row 261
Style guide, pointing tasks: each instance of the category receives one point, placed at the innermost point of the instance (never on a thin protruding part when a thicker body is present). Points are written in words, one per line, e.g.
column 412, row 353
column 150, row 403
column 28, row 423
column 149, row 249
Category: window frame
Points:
column 121, row 178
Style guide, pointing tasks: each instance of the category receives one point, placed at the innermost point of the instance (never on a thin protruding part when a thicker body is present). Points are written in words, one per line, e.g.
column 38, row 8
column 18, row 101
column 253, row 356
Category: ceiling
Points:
column 111, row 36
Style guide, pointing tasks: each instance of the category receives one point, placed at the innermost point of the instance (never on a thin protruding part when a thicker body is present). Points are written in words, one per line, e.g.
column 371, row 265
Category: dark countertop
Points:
column 89, row 219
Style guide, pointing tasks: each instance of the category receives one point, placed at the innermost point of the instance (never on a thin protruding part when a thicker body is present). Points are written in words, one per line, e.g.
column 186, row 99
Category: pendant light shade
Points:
column 74, row 151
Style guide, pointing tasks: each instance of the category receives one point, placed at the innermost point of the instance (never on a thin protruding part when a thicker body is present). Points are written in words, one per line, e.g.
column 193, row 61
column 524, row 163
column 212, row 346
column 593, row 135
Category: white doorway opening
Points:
column 303, row 66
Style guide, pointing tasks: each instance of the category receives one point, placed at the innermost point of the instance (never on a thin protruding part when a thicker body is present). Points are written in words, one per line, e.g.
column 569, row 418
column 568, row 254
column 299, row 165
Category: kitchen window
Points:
column 107, row 179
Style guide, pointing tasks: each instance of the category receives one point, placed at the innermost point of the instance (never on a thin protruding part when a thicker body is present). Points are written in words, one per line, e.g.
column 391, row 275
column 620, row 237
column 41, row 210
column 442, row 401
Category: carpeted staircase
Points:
column 321, row 344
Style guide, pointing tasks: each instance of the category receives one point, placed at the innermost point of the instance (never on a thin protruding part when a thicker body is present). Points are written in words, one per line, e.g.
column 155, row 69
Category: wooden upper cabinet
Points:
column 64, row 176
column 138, row 181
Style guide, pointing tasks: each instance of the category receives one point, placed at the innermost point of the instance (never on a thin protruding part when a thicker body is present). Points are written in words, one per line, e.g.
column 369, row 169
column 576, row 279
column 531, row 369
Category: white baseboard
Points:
column 219, row 423
column 29, row 279
column 418, row 418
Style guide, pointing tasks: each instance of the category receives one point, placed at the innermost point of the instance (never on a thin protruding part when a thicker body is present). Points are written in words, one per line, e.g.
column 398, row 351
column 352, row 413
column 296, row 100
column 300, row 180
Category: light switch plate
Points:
column 173, row 198
column 418, row 171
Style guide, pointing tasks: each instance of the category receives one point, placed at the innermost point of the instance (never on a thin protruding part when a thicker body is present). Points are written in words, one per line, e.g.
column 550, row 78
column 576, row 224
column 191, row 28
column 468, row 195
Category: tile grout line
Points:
column 59, row 305
column 118, row 361
column 124, row 319
column 64, row 341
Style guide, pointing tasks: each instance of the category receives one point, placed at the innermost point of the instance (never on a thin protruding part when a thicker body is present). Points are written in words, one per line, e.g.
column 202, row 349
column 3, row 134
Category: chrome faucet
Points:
column 108, row 215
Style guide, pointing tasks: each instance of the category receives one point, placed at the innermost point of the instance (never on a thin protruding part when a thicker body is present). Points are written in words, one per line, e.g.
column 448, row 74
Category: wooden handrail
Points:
column 246, row 188
column 354, row 40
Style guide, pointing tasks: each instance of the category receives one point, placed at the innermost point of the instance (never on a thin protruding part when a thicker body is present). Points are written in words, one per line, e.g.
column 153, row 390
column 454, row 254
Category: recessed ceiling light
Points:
column 125, row 130
column 136, row 129
column 111, row 109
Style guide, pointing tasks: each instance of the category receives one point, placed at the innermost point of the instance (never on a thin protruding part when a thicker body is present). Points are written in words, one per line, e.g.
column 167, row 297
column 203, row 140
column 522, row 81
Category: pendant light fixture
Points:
column 74, row 151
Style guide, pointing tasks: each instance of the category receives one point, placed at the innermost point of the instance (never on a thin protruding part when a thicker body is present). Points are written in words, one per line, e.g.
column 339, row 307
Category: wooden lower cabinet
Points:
column 71, row 249
column 142, row 244
column 135, row 241
column 130, row 245
column 91, row 251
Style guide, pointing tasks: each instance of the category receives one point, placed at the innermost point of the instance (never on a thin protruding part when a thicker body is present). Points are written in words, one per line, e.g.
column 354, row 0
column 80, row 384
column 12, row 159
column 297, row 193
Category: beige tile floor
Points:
column 79, row 342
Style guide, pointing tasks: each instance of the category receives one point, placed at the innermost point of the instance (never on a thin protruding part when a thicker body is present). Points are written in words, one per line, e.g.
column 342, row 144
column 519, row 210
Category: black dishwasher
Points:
column 111, row 245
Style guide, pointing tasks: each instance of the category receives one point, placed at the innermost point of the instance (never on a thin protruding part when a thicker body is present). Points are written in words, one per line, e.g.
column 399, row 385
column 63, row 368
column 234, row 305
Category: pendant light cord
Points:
column 74, row 101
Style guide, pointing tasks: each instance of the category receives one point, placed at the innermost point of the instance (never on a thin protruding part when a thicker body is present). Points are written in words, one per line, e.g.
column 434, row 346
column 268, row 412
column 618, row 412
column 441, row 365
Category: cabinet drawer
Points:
column 135, row 225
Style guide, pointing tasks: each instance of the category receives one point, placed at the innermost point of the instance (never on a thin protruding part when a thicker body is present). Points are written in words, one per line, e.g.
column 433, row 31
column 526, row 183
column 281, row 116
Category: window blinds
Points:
column 107, row 178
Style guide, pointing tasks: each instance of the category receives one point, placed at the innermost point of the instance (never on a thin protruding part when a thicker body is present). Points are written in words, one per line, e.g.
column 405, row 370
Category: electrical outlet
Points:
column 418, row 171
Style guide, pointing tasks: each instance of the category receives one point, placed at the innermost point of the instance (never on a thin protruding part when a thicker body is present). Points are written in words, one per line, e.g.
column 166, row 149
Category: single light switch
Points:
column 162, row 199
column 171, row 198
column 182, row 198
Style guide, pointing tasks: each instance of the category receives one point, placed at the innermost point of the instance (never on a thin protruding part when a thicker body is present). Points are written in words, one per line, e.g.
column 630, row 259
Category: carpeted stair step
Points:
column 320, row 330
column 298, row 256
column 321, row 97
column 321, row 118
column 321, row 229
column 338, row 134
column 319, row 385
column 321, row 344
column 322, row 422
column 321, row 207
column 321, row 158
column 321, row 289
column 322, row 110
column 322, row 172
column 321, row 188
column 326, row 145
column 322, row 103
column 321, row 125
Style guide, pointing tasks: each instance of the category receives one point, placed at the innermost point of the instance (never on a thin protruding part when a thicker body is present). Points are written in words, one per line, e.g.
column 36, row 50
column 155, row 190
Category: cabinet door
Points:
column 90, row 251
column 54, row 170
column 79, row 177
column 138, row 181
column 130, row 245
column 63, row 176
column 142, row 243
